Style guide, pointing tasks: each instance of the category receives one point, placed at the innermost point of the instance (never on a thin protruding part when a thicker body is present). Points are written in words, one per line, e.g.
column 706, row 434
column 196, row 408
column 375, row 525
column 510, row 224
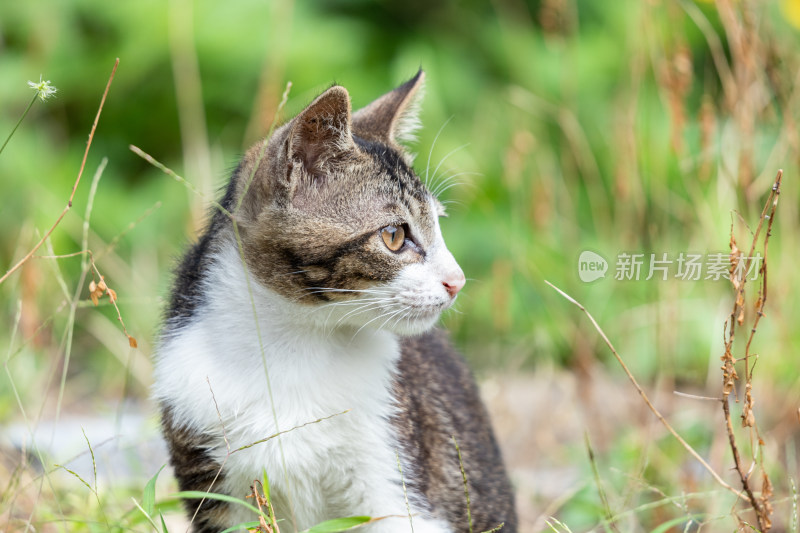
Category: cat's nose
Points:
column 454, row 283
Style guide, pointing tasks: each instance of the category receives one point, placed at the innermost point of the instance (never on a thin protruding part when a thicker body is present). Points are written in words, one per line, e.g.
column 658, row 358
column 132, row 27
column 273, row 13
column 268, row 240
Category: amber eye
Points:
column 393, row 237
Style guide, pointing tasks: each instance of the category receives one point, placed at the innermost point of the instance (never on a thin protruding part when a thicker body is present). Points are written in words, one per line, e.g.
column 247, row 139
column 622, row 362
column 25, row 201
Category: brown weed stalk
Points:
column 74, row 186
column 262, row 500
column 98, row 289
column 738, row 277
column 644, row 396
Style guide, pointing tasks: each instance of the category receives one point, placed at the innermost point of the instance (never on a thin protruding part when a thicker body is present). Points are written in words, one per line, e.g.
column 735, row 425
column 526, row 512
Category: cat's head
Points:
column 334, row 217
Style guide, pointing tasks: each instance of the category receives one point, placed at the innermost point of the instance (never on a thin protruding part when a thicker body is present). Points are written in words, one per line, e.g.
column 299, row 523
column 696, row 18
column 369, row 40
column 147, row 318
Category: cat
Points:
column 307, row 308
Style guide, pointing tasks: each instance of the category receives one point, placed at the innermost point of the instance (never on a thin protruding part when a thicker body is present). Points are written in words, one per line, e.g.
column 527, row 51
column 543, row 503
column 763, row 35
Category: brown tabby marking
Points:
column 438, row 399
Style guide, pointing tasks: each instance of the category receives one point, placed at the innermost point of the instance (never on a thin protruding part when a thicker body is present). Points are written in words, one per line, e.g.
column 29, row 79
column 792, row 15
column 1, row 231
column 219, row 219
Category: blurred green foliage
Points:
column 612, row 126
column 589, row 125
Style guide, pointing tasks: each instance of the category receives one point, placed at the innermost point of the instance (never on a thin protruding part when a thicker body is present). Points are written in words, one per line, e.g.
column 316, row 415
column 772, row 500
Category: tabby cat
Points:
column 305, row 310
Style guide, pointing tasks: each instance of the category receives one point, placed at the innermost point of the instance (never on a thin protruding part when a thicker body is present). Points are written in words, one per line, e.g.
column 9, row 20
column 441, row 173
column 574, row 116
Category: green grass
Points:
column 605, row 126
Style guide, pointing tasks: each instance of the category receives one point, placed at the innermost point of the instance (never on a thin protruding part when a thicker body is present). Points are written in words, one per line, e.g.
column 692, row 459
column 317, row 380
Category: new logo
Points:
column 591, row 266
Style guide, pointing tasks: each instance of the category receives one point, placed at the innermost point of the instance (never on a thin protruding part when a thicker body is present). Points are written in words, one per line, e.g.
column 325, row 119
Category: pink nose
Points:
column 454, row 284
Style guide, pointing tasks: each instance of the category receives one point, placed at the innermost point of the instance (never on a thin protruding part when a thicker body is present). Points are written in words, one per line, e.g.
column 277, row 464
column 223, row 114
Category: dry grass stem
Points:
column 761, row 505
column 466, row 488
column 405, row 491
column 224, row 461
column 74, row 186
column 177, row 177
column 187, row 184
column 98, row 289
column 230, row 452
column 647, row 401
column 263, row 151
column 596, row 473
column 263, row 501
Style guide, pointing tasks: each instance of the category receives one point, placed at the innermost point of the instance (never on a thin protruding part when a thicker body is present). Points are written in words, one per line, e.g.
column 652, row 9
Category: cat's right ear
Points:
column 321, row 132
column 394, row 117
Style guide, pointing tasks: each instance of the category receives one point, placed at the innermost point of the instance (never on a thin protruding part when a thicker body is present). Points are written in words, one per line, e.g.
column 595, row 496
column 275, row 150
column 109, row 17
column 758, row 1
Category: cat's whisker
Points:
column 455, row 173
column 370, row 322
column 451, row 152
column 356, row 302
column 315, row 290
column 433, row 145
column 454, row 184
column 359, row 310
column 452, row 202
column 284, row 274
column 404, row 316
column 363, row 308
column 339, row 289
column 441, row 183
column 360, row 303
column 399, row 311
column 321, row 290
column 443, row 188
column 453, row 309
column 356, row 298
column 325, row 323
column 438, row 189
column 367, row 298
column 363, row 305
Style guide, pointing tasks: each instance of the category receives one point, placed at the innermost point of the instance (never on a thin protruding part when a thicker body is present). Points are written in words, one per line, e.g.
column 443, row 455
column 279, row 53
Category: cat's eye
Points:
column 393, row 237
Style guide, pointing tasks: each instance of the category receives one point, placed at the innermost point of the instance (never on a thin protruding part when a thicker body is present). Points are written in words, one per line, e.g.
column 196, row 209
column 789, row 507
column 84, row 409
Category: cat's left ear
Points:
column 394, row 117
column 322, row 131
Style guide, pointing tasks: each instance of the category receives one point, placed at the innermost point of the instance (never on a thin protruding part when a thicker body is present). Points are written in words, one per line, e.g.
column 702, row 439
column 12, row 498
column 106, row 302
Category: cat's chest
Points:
column 257, row 379
column 311, row 410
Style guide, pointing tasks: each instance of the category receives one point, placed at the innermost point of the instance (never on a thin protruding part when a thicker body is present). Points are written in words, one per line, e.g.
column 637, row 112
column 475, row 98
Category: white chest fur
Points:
column 272, row 370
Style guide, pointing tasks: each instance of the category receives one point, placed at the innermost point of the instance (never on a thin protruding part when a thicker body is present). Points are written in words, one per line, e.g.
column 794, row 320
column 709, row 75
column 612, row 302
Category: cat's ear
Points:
column 322, row 131
column 394, row 117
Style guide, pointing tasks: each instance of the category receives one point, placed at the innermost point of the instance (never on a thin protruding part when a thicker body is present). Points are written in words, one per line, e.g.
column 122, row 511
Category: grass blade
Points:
column 149, row 495
column 198, row 494
column 339, row 524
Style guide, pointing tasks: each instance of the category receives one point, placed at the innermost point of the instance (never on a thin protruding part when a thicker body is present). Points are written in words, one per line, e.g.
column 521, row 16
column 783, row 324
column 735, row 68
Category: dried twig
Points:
column 74, row 186
column 224, row 461
column 262, row 501
column 644, row 395
column 761, row 505
column 97, row 289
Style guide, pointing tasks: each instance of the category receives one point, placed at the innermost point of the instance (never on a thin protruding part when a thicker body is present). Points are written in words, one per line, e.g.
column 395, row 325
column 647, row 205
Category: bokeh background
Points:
column 564, row 126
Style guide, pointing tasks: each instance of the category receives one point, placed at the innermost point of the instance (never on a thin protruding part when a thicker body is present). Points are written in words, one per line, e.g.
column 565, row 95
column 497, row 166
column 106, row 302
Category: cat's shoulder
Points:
column 438, row 401
column 434, row 379
column 432, row 355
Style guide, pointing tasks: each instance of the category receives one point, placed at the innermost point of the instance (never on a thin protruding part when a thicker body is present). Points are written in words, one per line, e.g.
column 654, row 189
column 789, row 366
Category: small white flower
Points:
column 43, row 89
